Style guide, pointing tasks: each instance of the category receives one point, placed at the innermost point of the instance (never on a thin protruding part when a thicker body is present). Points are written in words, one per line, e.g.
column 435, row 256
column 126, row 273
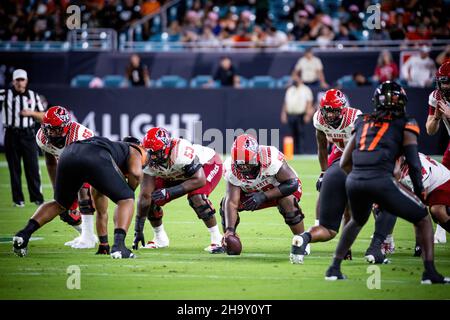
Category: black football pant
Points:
column 388, row 194
column 84, row 162
column 21, row 143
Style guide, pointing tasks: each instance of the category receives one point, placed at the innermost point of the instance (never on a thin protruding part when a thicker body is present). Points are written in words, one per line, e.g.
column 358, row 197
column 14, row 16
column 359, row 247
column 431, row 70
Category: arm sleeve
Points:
column 415, row 168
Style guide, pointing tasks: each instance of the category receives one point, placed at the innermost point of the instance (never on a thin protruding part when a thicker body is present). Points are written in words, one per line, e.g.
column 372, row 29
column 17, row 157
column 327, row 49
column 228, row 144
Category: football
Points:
column 233, row 245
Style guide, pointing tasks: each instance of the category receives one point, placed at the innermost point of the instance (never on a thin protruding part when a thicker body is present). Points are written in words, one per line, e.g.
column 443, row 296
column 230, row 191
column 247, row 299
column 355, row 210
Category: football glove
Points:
column 160, row 197
column 319, row 182
column 254, row 201
column 71, row 217
column 138, row 237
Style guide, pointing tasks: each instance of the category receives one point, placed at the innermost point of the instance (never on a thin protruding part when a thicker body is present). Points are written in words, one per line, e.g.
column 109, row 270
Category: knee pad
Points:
column 205, row 210
column 155, row 213
column 294, row 217
column 86, row 206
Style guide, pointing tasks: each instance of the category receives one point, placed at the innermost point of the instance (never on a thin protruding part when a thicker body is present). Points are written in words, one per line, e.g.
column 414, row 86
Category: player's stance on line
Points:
column 378, row 139
column 439, row 109
column 334, row 122
column 113, row 169
column 177, row 167
column 58, row 131
column 436, row 181
column 258, row 177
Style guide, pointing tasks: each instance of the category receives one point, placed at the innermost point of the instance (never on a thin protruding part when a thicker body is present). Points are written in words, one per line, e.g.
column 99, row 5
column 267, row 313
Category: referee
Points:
column 21, row 107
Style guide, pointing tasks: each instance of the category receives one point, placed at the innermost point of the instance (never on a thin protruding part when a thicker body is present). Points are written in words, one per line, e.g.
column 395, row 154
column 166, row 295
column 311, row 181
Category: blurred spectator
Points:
column 129, row 12
column 326, row 35
column 443, row 56
column 276, row 38
column 311, row 70
column 226, row 74
column 386, row 68
column 149, row 7
column 137, row 73
column 419, row 70
column 297, row 110
column 361, row 80
column 301, row 29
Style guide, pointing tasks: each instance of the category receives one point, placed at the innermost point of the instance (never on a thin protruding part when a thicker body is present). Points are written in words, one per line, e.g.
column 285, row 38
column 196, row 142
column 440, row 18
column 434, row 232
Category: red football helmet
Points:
column 157, row 141
column 332, row 106
column 55, row 125
column 245, row 156
column 443, row 80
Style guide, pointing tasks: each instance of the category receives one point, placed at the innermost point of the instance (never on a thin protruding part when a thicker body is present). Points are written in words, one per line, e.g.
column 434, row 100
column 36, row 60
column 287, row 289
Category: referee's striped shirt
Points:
column 12, row 103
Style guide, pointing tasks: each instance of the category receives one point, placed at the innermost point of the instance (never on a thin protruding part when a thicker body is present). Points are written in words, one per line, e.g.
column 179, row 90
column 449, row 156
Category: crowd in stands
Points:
column 211, row 21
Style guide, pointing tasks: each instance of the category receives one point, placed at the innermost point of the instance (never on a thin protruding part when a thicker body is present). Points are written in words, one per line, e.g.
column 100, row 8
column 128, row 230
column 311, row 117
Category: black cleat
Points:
column 20, row 243
column 334, row 274
column 375, row 256
column 434, row 278
column 348, row 256
column 417, row 251
column 103, row 249
column 121, row 252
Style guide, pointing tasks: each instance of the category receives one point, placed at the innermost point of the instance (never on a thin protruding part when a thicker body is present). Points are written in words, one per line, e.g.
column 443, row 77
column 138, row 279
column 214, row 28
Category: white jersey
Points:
column 340, row 135
column 76, row 132
column 183, row 154
column 433, row 99
column 271, row 162
column 434, row 174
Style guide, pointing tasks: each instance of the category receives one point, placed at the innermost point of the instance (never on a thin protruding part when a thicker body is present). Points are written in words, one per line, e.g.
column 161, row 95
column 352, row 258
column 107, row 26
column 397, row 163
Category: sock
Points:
column 216, row 237
column 446, row 225
column 119, row 237
column 31, row 227
column 159, row 229
column 87, row 225
column 316, row 222
column 336, row 264
column 103, row 239
column 306, row 236
column 429, row 266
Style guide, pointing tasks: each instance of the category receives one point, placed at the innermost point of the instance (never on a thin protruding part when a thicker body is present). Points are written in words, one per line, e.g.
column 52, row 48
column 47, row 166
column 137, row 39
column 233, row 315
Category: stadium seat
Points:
column 346, row 82
column 200, row 80
column 261, row 82
column 115, row 81
column 81, row 80
column 171, row 81
column 283, row 82
column 243, row 82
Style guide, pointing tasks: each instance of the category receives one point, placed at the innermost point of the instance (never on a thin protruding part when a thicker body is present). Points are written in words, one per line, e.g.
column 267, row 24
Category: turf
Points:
column 185, row 271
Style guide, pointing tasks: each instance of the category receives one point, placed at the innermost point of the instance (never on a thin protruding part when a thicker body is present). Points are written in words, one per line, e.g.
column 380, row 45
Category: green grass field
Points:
column 185, row 271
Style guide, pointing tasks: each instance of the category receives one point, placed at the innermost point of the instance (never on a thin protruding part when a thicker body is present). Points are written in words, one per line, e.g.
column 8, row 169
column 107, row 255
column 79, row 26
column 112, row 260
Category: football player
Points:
column 334, row 122
column 58, row 131
column 436, row 181
column 370, row 155
column 258, row 177
column 113, row 169
column 439, row 109
column 176, row 168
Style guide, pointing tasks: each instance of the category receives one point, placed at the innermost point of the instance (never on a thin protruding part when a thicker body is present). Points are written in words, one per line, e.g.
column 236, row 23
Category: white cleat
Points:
column 72, row 242
column 85, row 242
column 214, row 248
column 296, row 258
column 440, row 236
column 157, row 243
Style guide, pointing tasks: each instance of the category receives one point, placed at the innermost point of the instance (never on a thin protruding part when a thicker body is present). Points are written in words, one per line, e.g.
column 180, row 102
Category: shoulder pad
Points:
column 271, row 160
